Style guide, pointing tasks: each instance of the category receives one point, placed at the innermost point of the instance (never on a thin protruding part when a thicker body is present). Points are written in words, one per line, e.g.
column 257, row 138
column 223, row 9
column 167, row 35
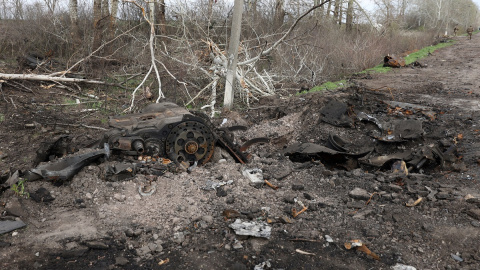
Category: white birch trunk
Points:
column 233, row 53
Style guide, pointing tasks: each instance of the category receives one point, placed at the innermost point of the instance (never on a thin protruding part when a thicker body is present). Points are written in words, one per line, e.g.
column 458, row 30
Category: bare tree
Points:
column 18, row 9
column 161, row 17
column 73, row 11
column 113, row 18
column 337, row 17
column 51, row 5
column 349, row 20
column 279, row 16
column 329, row 9
column 97, row 29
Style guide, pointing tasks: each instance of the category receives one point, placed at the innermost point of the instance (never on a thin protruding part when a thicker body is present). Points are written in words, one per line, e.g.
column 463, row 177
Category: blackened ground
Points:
column 97, row 224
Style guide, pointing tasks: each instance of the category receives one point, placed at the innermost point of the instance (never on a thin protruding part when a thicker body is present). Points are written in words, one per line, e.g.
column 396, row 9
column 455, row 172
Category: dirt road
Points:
column 427, row 218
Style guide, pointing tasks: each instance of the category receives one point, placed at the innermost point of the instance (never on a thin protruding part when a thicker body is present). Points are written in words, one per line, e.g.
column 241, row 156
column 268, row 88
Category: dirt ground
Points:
column 427, row 218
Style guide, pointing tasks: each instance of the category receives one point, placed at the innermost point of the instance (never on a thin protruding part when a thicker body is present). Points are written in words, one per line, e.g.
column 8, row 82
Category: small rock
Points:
column 474, row 213
column 281, row 173
column 119, row 197
column 363, row 214
column 221, row 192
column 152, row 247
column 230, row 200
column 359, row 194
column 228, row 247
column 143, row 251
column 400, row 266
column 122, row 261
column 328, row 238
column 237, row 245
column 15, row 208
column 88, row 196
column 456, row 257
column 289, row 199
column 178, row 237
column 159, row 246
column 42, row 195
column 238, row 266
column 396, row 218
column 298, row 187
column 428, row 227
column 442, row 195
column 96, row 245
column 357, row 172
column 308, row 196
column 475, row 223
column 208, row 219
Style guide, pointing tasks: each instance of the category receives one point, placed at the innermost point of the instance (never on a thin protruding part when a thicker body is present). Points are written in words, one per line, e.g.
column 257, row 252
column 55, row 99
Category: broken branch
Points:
column 35, row 77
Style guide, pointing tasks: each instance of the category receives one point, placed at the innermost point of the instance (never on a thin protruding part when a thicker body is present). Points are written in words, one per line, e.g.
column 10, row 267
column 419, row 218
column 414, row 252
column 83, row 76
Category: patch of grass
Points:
column 328, row 86
column 425, row 51
column 19, row 189
column 2, row 117
column 376, row 69
column 381, row 69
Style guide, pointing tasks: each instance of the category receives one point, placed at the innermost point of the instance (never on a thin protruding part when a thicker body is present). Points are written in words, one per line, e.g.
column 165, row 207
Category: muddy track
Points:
column 96, row 224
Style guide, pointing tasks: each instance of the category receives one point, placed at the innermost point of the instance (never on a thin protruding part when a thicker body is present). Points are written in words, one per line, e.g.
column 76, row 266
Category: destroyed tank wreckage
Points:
column 159, row 130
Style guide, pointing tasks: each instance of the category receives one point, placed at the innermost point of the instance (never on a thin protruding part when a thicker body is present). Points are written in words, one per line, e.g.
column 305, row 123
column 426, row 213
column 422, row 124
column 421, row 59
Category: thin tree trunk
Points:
column 161, row 17
column 97, row 29
column 233, row 53
column 151, row 12
column 319, row 11
column 340, row 13
column 210, row 10
column 113, row 19
column 329, row 8
column 336, row 12
column 349, row 21
column 105, row 9
column 73, row 10
column 279, row 14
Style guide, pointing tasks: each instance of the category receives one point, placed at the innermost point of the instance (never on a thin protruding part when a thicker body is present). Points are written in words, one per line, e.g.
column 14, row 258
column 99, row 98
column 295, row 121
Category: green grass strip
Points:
column 381, row 69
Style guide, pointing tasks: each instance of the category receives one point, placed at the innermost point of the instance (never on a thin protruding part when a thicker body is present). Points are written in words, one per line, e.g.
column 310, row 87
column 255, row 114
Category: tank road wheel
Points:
column 190, row 141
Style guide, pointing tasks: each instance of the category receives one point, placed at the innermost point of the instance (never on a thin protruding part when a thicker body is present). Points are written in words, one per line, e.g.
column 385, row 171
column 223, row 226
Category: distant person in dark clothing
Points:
column 455, row 30
column 470, row 32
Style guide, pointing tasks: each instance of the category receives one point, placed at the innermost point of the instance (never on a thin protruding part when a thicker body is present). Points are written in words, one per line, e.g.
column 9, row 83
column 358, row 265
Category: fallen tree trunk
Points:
column 36, row 77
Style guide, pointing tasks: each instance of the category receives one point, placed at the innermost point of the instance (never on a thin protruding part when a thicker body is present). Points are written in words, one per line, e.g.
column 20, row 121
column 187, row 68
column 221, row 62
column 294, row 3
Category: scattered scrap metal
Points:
column 399, row 123
column 161, row 136
column 393, row 61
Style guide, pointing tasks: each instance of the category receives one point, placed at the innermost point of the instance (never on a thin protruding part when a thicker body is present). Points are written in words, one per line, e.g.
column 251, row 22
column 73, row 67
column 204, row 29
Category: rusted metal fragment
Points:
column 415, row 108
column 379, row 161
column 393, row 61
column 251, row 142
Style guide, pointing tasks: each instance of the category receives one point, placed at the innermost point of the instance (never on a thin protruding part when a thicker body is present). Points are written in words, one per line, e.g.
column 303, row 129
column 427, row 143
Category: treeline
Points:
column 338, row 38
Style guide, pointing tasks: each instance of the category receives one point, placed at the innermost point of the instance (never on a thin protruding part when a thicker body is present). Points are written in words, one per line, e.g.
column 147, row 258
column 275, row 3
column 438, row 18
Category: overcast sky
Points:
column 369, row 4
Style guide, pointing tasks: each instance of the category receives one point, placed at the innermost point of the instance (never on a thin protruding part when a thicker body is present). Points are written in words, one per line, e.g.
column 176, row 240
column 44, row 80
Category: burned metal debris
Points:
column 162, row 131
column 336, row 113
column 394, row 142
